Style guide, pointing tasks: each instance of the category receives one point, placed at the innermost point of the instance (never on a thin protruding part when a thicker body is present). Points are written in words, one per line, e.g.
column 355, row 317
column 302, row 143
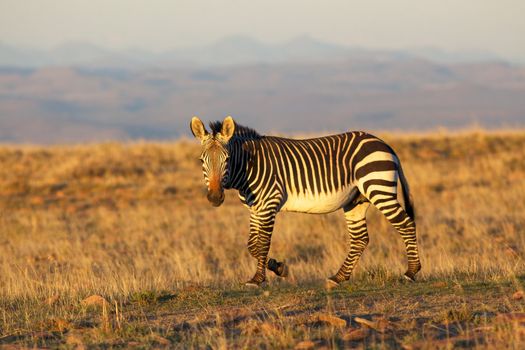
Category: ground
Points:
column 424, row 315
column 115, row 245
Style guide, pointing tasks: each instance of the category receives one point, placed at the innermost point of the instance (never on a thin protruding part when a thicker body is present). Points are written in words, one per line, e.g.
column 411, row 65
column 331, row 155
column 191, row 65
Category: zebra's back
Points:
column 321, row 175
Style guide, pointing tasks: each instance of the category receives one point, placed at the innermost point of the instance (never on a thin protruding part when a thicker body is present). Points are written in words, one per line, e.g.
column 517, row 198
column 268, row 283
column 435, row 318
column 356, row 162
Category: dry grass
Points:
column 130, row 222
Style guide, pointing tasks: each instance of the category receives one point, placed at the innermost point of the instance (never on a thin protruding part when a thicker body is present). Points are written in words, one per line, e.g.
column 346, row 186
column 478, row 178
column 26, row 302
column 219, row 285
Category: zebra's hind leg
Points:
column 406, row 226
column 355, row 215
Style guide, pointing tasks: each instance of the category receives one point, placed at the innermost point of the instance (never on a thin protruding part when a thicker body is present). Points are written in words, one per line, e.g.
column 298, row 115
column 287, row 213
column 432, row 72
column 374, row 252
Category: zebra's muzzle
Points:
column 216, row 197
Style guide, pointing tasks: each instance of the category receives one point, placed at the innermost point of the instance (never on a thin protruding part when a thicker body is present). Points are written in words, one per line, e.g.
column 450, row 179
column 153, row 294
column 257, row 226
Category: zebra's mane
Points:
column 241, row 131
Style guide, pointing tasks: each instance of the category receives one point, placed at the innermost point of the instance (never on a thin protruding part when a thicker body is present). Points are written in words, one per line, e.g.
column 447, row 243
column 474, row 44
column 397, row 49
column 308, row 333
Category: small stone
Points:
column 381, row 325
column 333, row 320
column 356, row 334
column 161, row 340
column 364, row 321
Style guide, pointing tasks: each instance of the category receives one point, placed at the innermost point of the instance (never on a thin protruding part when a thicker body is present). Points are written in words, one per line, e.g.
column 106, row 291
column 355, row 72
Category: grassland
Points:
column 128, row 226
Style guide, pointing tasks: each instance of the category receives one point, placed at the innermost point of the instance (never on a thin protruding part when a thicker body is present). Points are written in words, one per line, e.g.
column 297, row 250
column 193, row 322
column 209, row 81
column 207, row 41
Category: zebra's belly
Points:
column 318, row 203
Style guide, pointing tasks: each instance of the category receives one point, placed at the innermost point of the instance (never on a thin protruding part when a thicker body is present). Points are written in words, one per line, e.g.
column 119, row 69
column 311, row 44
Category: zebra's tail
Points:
column 409, row 205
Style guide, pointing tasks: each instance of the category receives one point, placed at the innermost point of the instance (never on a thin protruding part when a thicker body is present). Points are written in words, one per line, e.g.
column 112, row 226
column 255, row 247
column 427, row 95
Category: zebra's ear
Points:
column 197, row 128
column 228, row 128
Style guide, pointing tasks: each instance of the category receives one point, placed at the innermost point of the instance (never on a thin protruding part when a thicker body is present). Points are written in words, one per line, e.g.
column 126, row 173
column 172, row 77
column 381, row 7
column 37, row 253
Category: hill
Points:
column 72, row 105
column 228, row 51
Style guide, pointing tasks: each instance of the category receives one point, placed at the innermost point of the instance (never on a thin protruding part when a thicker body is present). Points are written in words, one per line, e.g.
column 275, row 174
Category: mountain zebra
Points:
column 318, row 175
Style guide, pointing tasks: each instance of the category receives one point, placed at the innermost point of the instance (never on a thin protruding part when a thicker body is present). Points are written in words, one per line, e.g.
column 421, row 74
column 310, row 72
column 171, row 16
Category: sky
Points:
column 495, row 26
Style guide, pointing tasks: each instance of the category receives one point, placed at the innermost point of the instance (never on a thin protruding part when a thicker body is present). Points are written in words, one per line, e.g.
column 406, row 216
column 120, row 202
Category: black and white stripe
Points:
column 318, row 175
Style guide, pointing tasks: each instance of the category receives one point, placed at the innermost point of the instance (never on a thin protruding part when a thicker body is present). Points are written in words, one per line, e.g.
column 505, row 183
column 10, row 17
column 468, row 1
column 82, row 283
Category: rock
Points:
column 364, row 321
column 381, row 324
column 356, row 334
column 161, row 340
column 333, row 320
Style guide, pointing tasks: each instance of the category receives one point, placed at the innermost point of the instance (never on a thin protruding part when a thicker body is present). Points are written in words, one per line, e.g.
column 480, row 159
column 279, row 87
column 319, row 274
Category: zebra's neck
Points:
column 239, row 150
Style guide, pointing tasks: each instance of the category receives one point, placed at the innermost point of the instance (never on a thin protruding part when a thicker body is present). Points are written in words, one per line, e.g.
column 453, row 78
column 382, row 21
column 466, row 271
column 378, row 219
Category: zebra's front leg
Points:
column 277, row 267
column 261, row 229
column 355, row 216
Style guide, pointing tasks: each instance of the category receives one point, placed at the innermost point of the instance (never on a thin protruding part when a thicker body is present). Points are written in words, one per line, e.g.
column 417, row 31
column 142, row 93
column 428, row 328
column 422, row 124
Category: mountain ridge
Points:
column 71, row 104
column 228, row 51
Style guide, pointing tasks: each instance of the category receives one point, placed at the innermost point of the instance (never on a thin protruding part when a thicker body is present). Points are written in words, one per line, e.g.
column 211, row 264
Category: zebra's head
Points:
column 214, row 156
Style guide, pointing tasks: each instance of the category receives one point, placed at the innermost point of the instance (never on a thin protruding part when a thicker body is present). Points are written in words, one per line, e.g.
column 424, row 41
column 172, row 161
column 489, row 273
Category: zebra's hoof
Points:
column 331, row 284
column 254, row 285
column 279, row 268
column 282, row 270
column 409, row 277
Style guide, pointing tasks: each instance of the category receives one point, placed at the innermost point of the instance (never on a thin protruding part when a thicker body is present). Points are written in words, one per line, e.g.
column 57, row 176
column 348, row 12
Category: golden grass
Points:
column 124, row 219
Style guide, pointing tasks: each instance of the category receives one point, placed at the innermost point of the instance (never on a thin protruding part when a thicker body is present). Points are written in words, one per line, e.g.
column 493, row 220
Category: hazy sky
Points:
column 496, row 26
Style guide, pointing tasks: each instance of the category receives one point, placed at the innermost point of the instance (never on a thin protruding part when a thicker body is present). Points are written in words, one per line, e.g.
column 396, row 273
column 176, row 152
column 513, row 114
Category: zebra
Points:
column 319, row 175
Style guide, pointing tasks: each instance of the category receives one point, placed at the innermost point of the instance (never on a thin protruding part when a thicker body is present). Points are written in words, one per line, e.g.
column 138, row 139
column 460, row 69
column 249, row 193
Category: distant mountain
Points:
column 230, row 51
column 81, row 92
column 367, row 91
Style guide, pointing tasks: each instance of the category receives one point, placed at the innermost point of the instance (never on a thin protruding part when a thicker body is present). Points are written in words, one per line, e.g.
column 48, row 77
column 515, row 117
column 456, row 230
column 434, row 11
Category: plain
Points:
column 115, row 245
